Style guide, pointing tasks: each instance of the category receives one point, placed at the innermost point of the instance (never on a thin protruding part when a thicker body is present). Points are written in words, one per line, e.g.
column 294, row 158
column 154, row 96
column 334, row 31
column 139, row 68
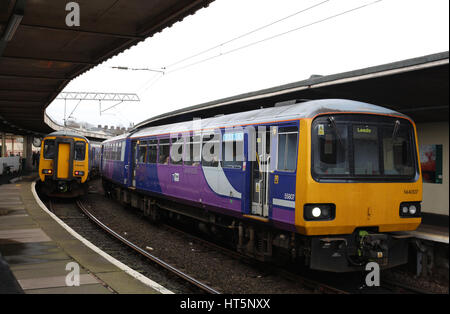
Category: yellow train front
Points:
column 359, row 181
column 64, row 164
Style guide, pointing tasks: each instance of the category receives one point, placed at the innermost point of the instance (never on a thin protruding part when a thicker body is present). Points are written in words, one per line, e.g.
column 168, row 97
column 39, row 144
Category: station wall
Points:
column 434, row 138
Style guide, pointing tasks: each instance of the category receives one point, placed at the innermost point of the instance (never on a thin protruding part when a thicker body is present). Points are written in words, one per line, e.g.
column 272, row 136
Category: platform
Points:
column 37, row 250
column 431, row 233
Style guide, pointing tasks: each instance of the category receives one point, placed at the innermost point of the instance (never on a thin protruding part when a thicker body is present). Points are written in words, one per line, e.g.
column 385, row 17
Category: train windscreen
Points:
column 363, row 147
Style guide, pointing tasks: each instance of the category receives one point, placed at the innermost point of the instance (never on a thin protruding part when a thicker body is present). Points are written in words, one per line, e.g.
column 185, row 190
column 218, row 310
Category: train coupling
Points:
column 62, row 187
column 352, row 252
column 373, row 247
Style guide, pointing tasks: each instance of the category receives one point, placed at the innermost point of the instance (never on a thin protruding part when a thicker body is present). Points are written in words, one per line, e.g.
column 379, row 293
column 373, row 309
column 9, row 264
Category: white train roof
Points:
column 308, row 109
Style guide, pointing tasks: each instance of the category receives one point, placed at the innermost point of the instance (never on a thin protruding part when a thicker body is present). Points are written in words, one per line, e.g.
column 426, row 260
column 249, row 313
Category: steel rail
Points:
column 146, row 254
column 307, row 282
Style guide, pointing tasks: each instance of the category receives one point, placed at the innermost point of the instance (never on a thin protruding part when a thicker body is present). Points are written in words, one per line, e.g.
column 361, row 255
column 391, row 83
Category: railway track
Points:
column 307, row 281
column 311, row 284
column 143, row 252
column 387, row 286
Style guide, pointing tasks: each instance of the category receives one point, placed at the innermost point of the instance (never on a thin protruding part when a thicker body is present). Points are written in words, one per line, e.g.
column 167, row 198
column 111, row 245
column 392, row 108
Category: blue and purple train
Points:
column 324, row 181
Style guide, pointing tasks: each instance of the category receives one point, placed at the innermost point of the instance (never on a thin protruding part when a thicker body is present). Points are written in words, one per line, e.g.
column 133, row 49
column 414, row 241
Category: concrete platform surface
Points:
column 431, row 233
column 39, row 251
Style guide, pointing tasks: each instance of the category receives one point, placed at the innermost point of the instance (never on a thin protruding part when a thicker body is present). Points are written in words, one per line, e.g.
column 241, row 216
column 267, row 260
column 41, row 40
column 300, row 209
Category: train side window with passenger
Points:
column 287, row 149
column 152, row 152
column 142, row 153
column 232, row 150
column 176, row 156
column 210, row 153
column 80, row 151
column 49, row 149
column 164, row 151
column 192, row 151
column 122, row 151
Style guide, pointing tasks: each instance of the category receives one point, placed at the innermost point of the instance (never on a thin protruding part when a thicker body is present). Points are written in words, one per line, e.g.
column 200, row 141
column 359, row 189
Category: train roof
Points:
column 67, row 133
column 116, row 138
column 302, row 110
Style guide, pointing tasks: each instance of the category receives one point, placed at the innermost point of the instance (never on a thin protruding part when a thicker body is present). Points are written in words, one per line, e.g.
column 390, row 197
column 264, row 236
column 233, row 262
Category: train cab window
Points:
column 398, row 152
column 287, row 149
column 363, row 147
column 176, row 152
column 366, row 150
column 79, row 151
column 232, row 150
column 152, row 152
column 192, row 151
column 49, row 149
column 210, row 150
column 330, row 154
column 142, row 153
column 164, row 151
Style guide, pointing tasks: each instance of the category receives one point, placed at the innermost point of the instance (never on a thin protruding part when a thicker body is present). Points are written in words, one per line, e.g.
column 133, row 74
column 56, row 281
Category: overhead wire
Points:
column 227, row 42
column 165, row 72
column 274, row 36
column 248, row 33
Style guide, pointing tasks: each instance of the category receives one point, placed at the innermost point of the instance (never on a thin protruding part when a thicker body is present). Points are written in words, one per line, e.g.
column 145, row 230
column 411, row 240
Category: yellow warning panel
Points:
column 63, row 160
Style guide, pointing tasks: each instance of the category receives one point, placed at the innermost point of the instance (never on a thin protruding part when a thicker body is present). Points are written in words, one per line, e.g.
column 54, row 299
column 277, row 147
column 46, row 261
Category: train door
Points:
column 63, row 160
column 134, row 157
column 260, row 173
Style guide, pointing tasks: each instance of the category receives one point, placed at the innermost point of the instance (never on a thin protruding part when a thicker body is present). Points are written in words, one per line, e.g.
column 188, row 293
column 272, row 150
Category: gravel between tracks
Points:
column 214, row 268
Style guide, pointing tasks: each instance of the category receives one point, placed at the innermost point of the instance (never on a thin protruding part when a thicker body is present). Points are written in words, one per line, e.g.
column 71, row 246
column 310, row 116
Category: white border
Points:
column 146, row 281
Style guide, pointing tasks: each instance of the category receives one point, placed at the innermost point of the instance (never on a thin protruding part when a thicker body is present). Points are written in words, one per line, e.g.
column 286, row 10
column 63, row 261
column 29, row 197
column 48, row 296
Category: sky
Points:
column 319, row 37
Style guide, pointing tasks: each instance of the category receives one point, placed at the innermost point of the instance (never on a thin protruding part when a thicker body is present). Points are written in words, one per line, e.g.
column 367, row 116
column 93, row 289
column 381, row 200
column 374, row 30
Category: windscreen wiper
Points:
column 333, row 125
column 396, row 127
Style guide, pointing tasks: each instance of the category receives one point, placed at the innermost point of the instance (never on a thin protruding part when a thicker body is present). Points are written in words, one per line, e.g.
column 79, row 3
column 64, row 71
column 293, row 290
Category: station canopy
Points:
column 40, row 54
column 417, row 87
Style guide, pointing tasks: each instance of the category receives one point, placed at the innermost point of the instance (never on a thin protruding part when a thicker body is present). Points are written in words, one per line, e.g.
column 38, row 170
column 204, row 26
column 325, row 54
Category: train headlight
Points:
column 47, row 171
column 319, row 212
column 79, row 173
column 410, row 209
column 405, row 209
column 316, row 212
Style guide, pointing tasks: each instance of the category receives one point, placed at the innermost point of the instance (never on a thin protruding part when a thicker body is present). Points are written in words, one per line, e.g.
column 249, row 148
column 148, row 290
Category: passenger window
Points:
column 192, row 153
column 122, row 151
column 287, row 149
column 164, row 151
column 232, row 150
column 210, row 150
column 49, row 149
column 152, row 152
column 176, row 156
column 80, row 151
column 142, row 154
